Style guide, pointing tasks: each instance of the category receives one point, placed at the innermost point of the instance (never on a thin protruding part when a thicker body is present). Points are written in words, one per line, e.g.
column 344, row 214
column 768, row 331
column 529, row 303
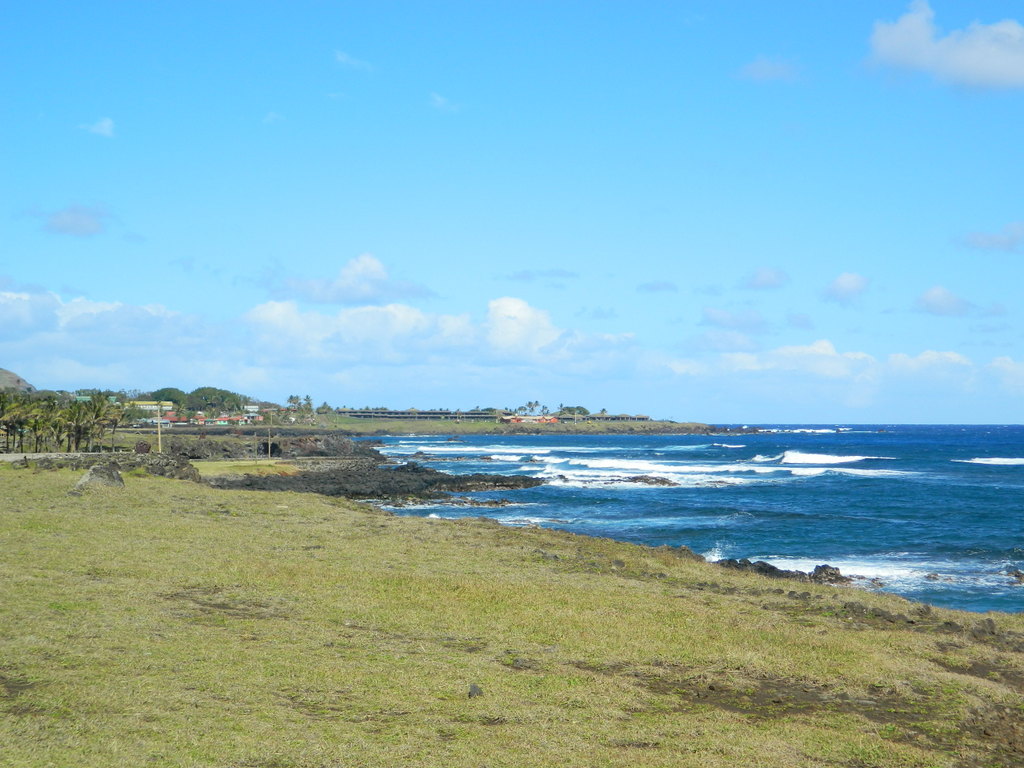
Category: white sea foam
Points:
column 762, row 459
column 585, row 479
column 482, row 450
column 993, row 461
column 896, row 571
column 798, row 457
column 800, row 431
column 715, row 553
column 727, row 445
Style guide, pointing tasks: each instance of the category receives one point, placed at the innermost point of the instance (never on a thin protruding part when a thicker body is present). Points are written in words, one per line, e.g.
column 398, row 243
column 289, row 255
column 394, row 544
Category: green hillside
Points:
column 172, row 624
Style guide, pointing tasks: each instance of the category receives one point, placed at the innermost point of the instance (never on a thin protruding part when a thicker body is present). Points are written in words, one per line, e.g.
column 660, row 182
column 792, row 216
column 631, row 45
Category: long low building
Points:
column 414, row 414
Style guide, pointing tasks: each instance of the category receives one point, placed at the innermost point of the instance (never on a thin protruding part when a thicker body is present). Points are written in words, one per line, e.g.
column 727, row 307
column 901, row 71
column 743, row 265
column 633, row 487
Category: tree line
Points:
column 37, row 424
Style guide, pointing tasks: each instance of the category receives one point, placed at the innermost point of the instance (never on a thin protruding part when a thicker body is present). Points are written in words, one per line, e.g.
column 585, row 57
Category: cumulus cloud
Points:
column 929, row 361
column 103, row 127
column 846, row 288
column 766, row 69
column 362, row 280
column 658, row 286
column 1009, row 239
column 513, row 334
column 391, row 333
column 350, row 62
column 765, row 278
column 941, row 301
column 41, row 326
column 1010, row 373
column 76, row 220
column 513, row 326
column 981, row 56
column 818, row 359
column 22, row 313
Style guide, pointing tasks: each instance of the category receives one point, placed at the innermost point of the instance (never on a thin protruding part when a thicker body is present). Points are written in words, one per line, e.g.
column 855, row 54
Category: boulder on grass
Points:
column 98, row 476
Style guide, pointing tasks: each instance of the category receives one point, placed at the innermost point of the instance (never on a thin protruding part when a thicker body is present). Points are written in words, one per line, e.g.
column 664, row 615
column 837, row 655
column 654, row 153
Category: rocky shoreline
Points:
column 333, row 465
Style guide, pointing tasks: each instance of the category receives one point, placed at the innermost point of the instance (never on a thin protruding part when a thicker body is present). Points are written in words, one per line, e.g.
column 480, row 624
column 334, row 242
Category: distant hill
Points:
column 11, row 380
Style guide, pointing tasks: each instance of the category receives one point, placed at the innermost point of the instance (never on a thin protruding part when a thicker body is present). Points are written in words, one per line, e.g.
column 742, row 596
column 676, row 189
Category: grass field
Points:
column 171, row 624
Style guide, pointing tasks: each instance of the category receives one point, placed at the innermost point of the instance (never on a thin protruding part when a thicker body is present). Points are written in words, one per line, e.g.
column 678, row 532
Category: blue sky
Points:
column 717, row 211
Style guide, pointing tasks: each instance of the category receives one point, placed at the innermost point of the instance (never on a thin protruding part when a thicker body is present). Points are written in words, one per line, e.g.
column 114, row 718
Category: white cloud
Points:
column 351, row 62
column 76, row 220
column 846, row 288
column 390, row 333
column 765, row 279
column 24, row 313
column 819, row 359
column 514, row 327
column 929, row 361
column 941, row 301
column 1010, row 373
column 102, row 127
column 1009, row 239
column 362, row 280
column 982, row 55
column 766, row 69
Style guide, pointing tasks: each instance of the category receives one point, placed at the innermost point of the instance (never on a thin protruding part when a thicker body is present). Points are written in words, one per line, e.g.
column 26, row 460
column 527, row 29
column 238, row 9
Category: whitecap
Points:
column 993, row 461
column 798, row 457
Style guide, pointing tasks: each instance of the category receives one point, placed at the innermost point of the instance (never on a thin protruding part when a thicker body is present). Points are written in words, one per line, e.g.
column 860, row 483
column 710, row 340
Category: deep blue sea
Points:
column 933, row 513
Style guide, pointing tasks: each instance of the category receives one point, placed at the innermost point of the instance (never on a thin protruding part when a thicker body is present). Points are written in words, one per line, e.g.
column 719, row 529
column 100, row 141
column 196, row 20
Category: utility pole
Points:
column 159, row 418
column 270, row 419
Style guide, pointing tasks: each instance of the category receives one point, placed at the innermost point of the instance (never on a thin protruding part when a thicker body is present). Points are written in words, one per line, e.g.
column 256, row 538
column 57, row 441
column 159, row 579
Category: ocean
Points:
column 933, row 513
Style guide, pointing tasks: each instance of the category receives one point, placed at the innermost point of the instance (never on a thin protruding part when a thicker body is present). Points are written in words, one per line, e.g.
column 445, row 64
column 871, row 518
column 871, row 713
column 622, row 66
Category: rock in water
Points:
column 100, row 475
column 829, row 574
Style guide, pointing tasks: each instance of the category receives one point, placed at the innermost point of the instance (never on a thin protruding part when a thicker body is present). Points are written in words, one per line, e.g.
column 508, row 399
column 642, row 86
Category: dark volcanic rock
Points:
column 822, row 574
column 762, row 568
column 373, row 481
column 828, row 574
column 153, row 463
column 650, row 480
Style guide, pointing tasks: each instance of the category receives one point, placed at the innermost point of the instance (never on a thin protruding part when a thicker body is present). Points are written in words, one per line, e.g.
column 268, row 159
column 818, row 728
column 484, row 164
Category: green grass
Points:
column 170, row 624
column 214, row 467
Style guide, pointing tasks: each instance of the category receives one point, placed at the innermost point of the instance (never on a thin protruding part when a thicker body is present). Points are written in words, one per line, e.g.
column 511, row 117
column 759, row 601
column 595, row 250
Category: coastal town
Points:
column 86, row 419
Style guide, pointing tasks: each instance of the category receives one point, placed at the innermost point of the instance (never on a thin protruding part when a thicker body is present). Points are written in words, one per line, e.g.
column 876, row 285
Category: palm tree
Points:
column 14, row 415
column 43, row 416
column 97, row 410
column 76, row 417
column 116, row 416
